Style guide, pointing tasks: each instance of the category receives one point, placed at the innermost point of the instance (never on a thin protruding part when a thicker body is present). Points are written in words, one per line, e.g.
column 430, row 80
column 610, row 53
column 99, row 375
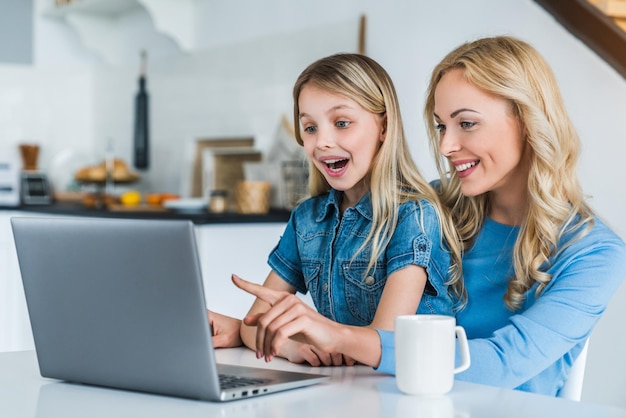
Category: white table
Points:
column 352, row 392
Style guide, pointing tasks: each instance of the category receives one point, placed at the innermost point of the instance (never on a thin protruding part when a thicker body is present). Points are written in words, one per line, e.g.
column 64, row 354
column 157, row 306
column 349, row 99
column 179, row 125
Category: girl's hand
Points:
column 289, row 319
column 225, row 330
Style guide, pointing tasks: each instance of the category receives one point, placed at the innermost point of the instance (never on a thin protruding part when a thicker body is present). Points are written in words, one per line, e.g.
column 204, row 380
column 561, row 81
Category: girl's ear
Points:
column 383, row 129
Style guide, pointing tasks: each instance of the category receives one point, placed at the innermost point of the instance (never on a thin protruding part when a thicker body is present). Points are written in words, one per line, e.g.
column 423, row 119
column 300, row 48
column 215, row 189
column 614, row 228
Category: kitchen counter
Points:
column 197, row 217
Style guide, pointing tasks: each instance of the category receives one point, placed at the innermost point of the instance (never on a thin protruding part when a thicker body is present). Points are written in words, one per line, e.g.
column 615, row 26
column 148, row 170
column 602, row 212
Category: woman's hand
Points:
column 290, row 319
column 225, row 330
column 297, row 352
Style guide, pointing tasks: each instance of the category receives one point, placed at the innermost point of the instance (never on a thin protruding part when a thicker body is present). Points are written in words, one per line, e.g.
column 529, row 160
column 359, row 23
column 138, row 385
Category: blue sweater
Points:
column 534, row 348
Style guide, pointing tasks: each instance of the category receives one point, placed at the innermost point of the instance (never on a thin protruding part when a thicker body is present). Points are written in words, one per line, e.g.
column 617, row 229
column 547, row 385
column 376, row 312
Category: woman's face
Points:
column 482, row 139
column 341, row 138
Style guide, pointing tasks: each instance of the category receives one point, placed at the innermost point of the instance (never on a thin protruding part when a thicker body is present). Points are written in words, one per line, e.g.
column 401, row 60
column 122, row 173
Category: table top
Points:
column 352, row 392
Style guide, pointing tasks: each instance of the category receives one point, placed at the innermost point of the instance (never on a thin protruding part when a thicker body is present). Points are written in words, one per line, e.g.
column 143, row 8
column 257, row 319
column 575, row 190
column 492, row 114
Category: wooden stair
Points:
column 614, row 9
column 600, row 24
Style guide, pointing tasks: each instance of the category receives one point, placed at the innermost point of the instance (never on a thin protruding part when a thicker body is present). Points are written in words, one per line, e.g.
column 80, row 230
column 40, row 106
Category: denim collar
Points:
column 333, row 202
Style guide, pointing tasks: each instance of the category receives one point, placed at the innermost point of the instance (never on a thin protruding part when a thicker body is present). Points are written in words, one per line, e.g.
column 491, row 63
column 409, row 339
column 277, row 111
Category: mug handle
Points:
column 465, row 355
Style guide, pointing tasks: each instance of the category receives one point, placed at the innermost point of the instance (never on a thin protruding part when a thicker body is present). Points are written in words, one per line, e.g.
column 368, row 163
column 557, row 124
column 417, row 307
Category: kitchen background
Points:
column 225, row 69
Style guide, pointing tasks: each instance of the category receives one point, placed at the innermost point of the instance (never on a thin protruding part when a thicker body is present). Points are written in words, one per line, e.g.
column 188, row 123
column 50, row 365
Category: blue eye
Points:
column 440, row 127
column 310, row 129
column 467, row 125
column 342, row 124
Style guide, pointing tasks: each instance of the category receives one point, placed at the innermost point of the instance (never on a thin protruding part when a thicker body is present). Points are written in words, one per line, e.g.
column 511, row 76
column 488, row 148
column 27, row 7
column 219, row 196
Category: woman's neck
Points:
column 509, row 208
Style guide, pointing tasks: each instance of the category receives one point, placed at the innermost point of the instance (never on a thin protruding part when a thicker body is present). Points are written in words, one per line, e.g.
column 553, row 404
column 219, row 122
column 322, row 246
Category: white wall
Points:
column 407, row 37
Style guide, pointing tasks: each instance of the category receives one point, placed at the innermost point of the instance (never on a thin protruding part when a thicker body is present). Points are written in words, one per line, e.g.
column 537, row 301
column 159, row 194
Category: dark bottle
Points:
column 141, row 137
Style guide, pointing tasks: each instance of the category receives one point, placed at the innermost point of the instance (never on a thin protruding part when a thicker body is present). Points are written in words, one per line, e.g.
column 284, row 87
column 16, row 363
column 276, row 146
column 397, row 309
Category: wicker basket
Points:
column 253, row 197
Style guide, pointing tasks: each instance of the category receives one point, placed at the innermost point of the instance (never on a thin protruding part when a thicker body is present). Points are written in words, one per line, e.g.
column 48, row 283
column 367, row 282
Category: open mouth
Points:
column 336, row 165
column 462, row 167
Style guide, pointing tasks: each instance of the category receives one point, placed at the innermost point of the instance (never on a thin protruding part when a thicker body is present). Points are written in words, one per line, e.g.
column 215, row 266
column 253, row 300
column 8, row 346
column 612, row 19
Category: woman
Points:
column 539, row 266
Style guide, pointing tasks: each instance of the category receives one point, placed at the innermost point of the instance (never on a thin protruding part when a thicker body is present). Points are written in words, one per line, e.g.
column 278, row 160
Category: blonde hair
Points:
column 511, row 69
column 394, row 177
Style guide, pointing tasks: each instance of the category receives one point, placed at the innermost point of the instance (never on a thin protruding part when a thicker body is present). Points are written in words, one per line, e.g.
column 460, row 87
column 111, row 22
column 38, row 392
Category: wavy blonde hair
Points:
column 511, row 69
column 394, row 177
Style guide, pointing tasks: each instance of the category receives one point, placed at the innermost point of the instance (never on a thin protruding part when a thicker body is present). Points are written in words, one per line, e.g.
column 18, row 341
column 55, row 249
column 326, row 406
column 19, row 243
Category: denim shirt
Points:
column 316, row 254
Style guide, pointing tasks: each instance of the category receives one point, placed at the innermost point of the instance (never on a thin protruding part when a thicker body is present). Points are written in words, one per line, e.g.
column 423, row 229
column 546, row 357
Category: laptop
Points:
column 120, row 303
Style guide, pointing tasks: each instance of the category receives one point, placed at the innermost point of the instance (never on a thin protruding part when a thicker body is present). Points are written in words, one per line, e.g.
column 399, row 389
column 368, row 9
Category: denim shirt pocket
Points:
column 363, row 291
column 311, row 270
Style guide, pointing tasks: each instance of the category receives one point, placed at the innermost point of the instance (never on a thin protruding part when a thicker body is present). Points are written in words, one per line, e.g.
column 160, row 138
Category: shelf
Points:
column 200, row 217
column 95, row 21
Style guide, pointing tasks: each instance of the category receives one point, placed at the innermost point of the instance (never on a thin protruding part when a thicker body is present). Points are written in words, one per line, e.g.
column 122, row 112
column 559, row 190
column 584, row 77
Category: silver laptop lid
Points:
column 110, row 302
column 120, row 303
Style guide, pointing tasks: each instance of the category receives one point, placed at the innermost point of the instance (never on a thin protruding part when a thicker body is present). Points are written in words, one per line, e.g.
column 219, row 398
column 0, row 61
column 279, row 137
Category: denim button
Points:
column 325, row 287
column 369, row 280
column 421, row 247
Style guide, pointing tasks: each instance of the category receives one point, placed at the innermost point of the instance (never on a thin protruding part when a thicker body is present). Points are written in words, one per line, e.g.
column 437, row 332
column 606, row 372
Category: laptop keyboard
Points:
column 230, row 381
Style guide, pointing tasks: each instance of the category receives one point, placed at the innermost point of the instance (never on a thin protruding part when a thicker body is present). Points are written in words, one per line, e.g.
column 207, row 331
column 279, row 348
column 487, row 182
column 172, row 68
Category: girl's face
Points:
column 341, row 138
column 482, row 139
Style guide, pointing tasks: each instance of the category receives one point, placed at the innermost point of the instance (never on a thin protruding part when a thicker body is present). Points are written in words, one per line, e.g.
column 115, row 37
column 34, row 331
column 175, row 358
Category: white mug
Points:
column 425, row 353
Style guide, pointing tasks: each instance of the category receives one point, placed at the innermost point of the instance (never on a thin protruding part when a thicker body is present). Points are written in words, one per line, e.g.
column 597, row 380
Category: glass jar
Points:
column 218, row 201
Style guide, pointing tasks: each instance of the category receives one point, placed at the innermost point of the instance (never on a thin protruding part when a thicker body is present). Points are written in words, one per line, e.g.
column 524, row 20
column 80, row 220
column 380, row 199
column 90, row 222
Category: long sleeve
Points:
column 533, row 349
column 536, row 348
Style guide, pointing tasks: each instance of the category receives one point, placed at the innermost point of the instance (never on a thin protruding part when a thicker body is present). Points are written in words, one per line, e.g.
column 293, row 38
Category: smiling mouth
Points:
column 336, row 165
column 462, row 167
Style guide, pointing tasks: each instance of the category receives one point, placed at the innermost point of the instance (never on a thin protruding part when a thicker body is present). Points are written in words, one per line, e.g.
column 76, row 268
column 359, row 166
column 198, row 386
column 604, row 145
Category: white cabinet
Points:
column 241, row 249
column 15, row 331
column 96, row 21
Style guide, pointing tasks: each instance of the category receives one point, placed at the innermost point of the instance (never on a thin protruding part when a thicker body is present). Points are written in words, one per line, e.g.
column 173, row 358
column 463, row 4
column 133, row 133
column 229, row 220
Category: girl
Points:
column 372, row 241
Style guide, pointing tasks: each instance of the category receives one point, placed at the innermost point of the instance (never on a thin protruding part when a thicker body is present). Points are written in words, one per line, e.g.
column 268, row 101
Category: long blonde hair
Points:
column 511, row 69
column 394, row 177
